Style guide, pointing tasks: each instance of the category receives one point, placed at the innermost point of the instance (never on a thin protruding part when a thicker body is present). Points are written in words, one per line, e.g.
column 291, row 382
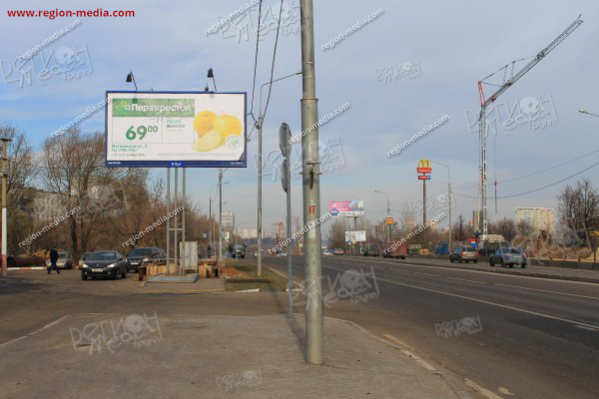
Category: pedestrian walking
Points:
column 53, row 260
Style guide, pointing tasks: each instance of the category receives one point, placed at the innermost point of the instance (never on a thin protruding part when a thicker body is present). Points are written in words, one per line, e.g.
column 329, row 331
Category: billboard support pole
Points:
column 176, row 222
column 183, row 225
column 168, row 221
column 311, row 190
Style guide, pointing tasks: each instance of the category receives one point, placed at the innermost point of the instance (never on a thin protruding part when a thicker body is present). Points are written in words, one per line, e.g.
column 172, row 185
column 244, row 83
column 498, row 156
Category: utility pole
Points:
column 4, row 212
column 311, row 189
column 285, row 145
column 220, row 220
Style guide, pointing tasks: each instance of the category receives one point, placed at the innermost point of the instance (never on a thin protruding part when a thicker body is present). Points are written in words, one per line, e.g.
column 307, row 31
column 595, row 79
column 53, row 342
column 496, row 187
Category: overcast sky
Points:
column 442, row 49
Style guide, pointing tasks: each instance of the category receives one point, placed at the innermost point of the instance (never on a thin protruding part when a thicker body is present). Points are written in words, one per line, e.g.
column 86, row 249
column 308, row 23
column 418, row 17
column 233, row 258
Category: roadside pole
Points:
column 168, row 221
column 220, row 222
column 285, row 145
column 311, row 189
column 4, row 212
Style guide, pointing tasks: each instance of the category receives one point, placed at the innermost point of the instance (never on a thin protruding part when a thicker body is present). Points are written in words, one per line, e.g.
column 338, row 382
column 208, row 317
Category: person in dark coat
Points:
column 53, row 260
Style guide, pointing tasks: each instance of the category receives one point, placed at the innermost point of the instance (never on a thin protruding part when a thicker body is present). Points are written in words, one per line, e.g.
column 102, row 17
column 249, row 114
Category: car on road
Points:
column 338, row 251
column 105, row 264
column 65, row 260
column 143, row 256
column 327, row 252
column 84, row 257
column 464, row 253
column 239, row 251
column 508, row 256
column 396, row 249
column 372, row 249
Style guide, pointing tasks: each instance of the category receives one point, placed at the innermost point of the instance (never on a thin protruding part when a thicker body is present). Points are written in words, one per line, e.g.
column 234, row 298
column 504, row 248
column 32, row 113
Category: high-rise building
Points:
column 541, row 219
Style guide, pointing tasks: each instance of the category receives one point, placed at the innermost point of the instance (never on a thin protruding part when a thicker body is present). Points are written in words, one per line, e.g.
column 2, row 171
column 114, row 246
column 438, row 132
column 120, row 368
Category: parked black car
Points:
column 239, row 251
column 145, row 255
column 105, row 264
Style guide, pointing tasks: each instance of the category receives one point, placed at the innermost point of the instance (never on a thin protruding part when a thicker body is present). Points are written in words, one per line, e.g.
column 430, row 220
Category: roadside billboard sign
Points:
column 175, row 129
column 351, row 208
column 355, row 236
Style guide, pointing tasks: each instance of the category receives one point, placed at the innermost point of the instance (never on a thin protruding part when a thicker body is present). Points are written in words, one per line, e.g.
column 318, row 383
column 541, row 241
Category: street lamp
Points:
column 259, row 124
column 388, row 211
column 449, row 197
column 131, row 78
column 582, row 111
column 211, row 75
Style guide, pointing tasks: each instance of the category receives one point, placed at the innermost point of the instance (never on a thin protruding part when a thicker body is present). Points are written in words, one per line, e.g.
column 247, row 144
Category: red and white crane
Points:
column 485, row 102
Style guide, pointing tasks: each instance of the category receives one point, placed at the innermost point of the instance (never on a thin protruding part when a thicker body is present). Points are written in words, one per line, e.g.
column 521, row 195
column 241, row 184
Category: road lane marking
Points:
column 573, row 322
column 587, row 328
column 398, row 341
column 427, row 274
column 485, row 392
column 464, row 279
column 553, row 292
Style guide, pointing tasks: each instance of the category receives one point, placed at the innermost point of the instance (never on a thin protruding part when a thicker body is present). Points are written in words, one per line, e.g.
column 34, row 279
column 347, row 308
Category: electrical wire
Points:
column 274, row 57
column 535, row 173
column 256, row 57
column 536, row 189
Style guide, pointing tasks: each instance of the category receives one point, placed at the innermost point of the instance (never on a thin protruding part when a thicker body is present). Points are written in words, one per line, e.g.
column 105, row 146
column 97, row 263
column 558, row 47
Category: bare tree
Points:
column 505, row 227
column 337, row 234
column 578, row 209
column 74, row 164
column 525, row 228
column 459, row 229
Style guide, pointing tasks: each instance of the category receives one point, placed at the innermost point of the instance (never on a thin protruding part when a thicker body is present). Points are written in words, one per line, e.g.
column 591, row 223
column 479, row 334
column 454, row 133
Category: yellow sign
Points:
column 424, row 166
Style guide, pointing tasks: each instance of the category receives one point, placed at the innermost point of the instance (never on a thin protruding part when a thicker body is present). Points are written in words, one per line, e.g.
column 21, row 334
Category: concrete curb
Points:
column 27, row 268
column 458, row 387
column 497, row 270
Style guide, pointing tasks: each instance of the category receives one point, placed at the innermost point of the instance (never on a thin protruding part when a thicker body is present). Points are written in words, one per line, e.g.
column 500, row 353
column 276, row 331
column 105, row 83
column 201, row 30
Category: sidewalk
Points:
column 210, row 357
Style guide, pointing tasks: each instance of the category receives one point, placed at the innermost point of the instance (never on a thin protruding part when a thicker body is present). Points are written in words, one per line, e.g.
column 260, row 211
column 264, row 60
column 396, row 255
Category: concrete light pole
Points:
column 259, row 125
column 4, row 271
column 311, row 189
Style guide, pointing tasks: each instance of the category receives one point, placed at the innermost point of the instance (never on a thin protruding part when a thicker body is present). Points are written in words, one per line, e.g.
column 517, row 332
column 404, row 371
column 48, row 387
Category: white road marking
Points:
column 574, row 322
column 505, row 391
column 427, row 274
column 587, row 328
column 464, row 279
column 553, row 292
column 485, row 392
column 35, row 331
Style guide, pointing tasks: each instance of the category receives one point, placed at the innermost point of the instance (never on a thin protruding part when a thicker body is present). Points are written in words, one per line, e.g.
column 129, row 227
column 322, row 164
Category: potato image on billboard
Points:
column 204, row 122
column 228, row 125
column 208, row 142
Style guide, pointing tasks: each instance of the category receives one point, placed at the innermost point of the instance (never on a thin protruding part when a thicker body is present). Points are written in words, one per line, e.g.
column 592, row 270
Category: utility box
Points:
column 190, row 254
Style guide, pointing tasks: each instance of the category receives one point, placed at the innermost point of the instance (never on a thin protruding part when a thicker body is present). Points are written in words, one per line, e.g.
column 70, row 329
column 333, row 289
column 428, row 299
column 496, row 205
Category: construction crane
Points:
column 484, row 103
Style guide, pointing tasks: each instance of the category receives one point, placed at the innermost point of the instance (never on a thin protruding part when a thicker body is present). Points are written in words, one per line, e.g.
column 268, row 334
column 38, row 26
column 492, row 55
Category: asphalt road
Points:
column 536, row 338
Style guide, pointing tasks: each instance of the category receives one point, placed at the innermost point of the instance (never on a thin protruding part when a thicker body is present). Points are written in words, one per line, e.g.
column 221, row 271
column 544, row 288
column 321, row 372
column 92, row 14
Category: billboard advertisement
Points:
column 175, row 129
column 351, row 208
column 355, row 236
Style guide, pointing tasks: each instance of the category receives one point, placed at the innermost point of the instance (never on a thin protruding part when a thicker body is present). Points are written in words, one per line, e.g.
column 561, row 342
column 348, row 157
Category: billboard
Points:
column 351, row 208
column 355, row 236
column 175, row 129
